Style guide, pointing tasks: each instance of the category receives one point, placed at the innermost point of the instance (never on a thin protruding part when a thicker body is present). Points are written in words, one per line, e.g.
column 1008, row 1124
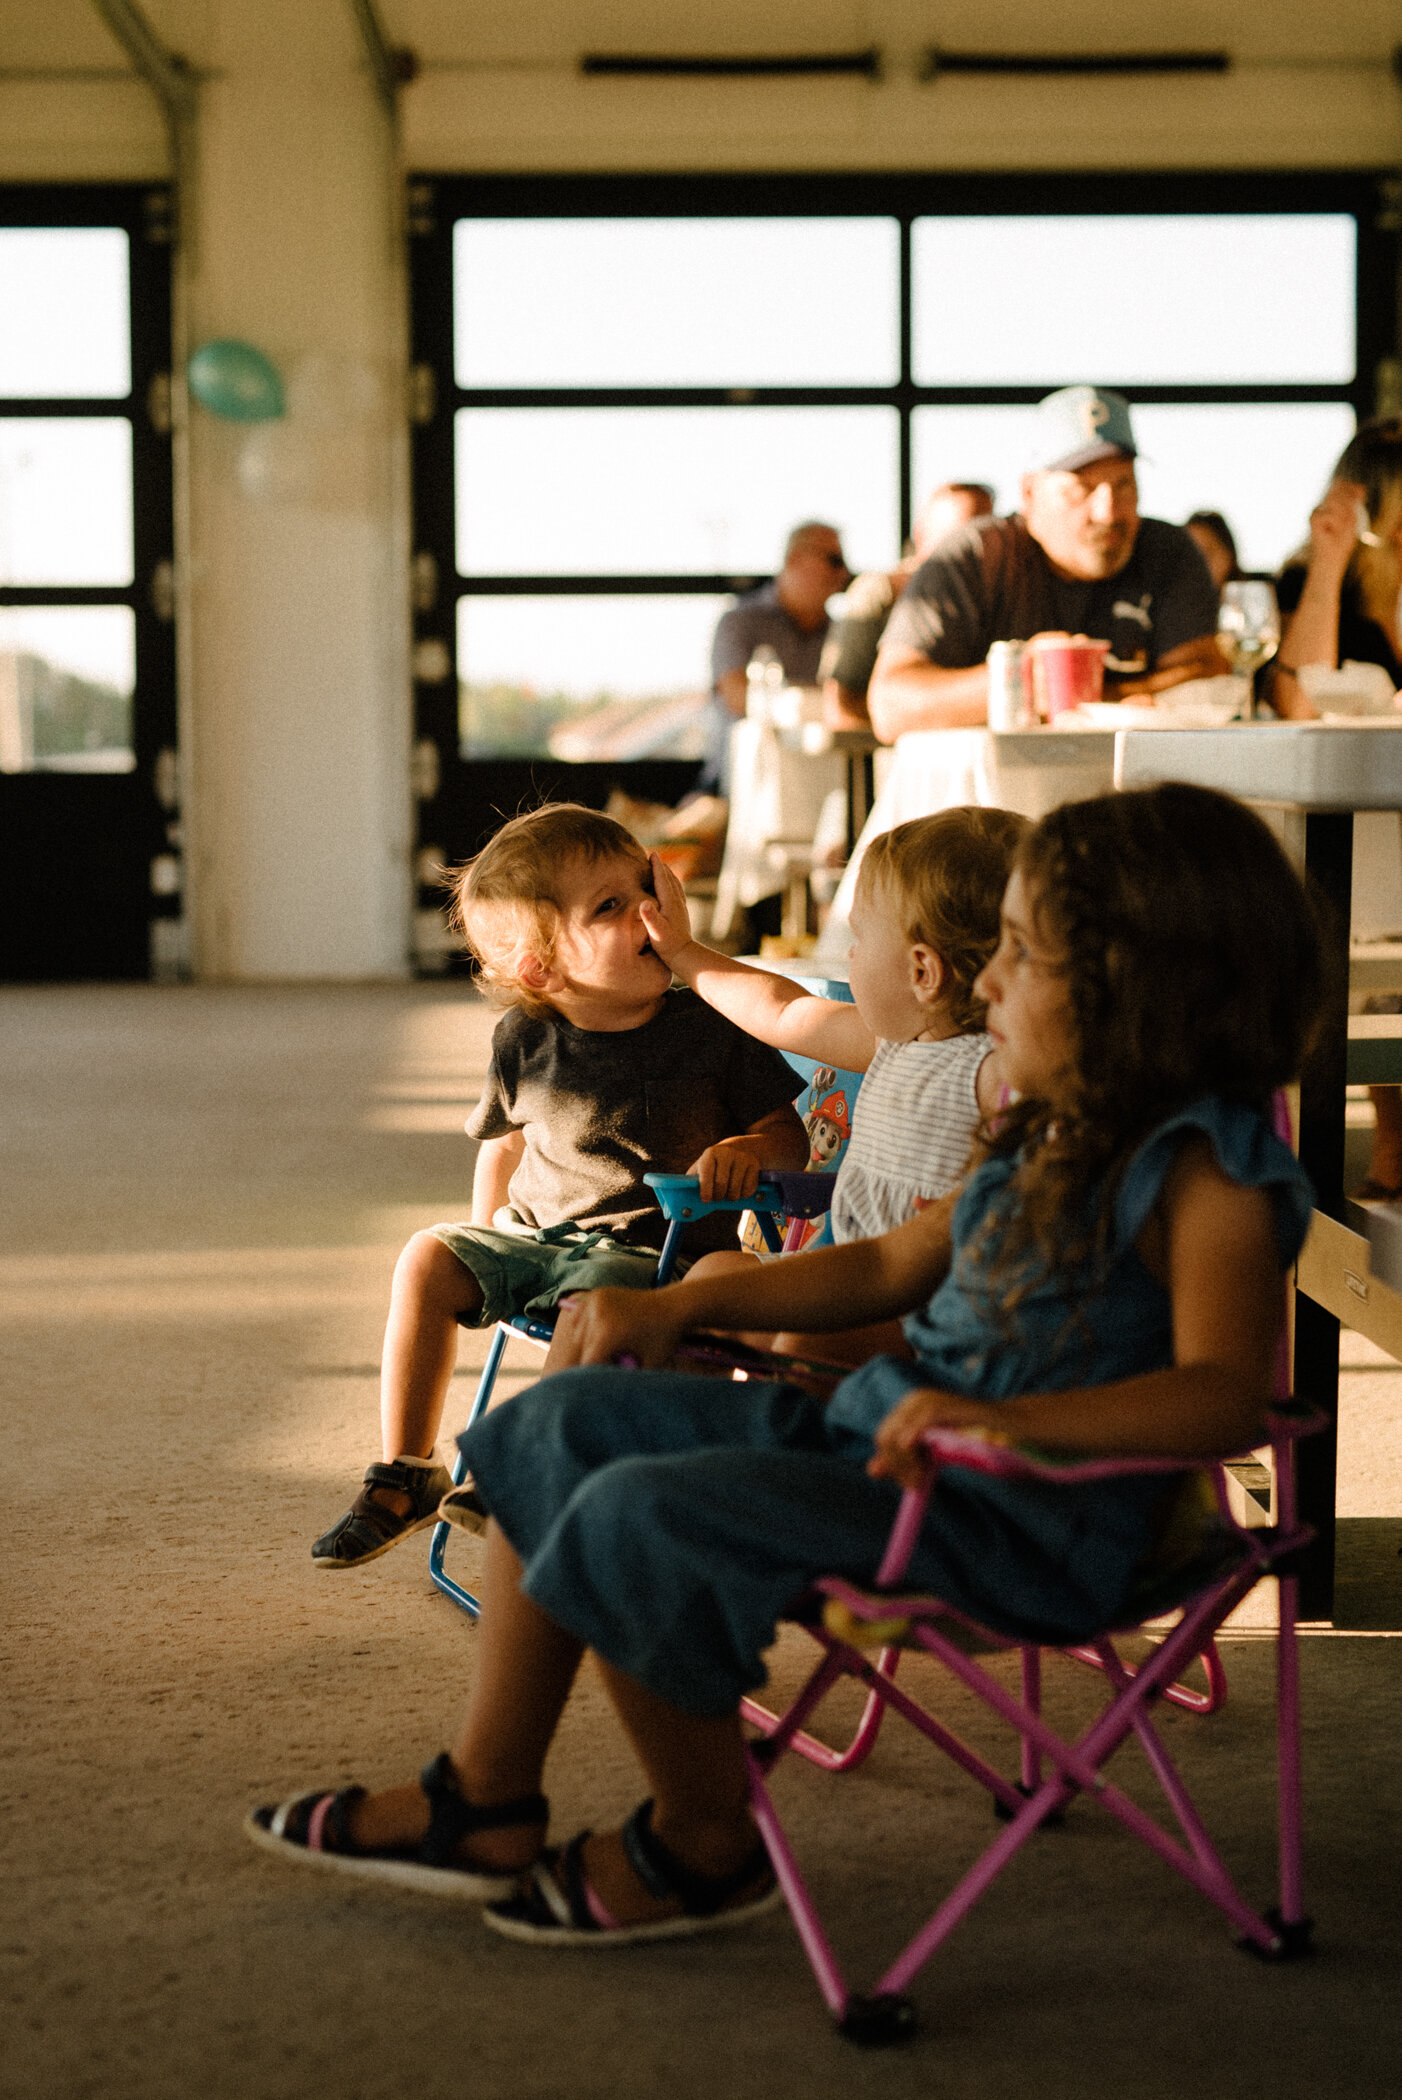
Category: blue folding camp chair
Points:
column 783, row 1204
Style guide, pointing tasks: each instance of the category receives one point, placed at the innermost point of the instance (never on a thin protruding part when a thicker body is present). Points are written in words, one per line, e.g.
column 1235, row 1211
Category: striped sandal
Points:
column 315, row 1828
column 555, row 1906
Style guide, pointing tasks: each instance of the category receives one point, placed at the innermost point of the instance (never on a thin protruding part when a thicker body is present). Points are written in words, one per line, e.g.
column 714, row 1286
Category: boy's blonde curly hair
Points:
column 945, row 875
column 507, row 901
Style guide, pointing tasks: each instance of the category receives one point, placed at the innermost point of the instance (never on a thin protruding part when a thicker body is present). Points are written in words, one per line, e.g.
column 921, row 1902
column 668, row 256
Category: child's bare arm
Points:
column 732, row 1167
column 497, row 1161
column 1214, row 1244
column 989, row 1086
column 770, row 1007
column 858, row 1282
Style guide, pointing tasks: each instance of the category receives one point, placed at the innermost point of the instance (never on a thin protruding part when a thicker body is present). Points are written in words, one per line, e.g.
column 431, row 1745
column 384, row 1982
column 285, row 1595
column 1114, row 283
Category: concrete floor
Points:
column 202, row 1196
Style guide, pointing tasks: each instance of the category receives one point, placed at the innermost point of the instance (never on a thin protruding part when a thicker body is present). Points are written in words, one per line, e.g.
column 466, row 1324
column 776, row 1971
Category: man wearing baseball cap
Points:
column 1077, row 559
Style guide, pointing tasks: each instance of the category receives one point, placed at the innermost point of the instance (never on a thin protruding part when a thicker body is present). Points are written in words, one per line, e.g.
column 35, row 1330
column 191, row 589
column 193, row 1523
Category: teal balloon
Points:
column 233, row 379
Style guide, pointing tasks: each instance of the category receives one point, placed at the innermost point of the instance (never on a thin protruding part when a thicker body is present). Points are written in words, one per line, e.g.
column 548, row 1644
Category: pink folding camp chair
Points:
column 848, row 1623
column 1207, row 1700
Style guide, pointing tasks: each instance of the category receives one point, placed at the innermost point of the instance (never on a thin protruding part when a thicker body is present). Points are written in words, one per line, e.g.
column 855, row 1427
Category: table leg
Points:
column 1328, row 861
column 861, row 793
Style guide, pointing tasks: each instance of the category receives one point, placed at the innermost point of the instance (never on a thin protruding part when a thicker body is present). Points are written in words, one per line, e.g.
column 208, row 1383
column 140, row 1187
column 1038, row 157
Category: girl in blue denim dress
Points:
column 1107, row 1279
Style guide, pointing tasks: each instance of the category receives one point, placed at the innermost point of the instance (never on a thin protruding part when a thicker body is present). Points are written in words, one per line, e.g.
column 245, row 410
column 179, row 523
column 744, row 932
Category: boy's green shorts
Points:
column 529, row 1272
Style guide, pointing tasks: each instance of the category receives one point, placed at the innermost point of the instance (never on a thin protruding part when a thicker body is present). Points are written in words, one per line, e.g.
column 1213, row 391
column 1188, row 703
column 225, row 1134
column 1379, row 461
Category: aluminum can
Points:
column 1008, row 704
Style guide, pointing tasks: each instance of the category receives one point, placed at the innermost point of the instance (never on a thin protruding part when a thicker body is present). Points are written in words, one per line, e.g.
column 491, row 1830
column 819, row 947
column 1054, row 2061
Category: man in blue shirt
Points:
column 790, row 616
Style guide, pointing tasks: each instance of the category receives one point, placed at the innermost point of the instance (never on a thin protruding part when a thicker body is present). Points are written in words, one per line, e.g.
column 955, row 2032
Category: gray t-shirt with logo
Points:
column 600, row 1109
column 991, row 582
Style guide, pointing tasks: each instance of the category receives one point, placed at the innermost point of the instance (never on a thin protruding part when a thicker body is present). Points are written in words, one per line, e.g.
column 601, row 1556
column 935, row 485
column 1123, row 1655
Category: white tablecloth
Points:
column 777, row 791
column 932, row 769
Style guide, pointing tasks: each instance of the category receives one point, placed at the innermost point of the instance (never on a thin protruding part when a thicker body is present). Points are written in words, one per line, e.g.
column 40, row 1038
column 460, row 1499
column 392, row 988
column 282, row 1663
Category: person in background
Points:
column 1216, row 543
column 790, row 615
column 850, row 651
column 1078, row 558
column 1339, row 604
column 1338, row 596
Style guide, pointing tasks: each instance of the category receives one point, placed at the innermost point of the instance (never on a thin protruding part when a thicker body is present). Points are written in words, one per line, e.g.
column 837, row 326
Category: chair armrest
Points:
column 981, row 1451
column 787, row 1195
column 763, row 1365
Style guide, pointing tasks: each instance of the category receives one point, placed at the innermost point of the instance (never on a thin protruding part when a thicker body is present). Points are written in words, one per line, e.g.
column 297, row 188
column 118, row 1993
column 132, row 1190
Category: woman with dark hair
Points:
column 1339, row 596
column 1216, row 543
column 1109, row 1280
column 1342, row 602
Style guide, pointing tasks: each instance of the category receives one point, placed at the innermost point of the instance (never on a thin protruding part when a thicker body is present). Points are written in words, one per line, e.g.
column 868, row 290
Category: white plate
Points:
column 1125, row 714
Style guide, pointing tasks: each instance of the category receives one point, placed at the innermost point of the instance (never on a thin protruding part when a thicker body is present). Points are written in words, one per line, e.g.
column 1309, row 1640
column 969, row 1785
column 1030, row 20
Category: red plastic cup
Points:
column 1067, row 671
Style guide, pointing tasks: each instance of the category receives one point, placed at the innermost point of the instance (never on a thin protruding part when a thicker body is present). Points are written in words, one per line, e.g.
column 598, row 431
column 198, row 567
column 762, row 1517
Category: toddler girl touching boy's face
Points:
column 924, row 923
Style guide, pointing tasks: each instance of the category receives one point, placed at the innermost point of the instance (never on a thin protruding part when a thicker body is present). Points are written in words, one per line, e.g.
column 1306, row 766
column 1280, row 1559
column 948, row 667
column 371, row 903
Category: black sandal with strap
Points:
column 369, row 1528
column 315, row 1828
column 555, row 1905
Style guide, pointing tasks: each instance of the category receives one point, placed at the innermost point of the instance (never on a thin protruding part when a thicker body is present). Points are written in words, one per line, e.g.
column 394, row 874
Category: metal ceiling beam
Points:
column 392, row 66
column 172, row 81
column 935, row 61
column 164, row 70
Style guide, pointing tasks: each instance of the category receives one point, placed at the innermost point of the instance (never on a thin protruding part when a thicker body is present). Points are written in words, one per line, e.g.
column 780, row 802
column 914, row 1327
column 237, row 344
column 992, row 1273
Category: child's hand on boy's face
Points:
column 900, row 1455
column 727, row 1172
column 605, row 1326
column 665, row 913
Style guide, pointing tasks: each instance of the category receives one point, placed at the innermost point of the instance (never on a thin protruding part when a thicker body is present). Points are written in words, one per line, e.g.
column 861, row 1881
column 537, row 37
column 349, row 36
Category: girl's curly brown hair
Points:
column 1194, row 965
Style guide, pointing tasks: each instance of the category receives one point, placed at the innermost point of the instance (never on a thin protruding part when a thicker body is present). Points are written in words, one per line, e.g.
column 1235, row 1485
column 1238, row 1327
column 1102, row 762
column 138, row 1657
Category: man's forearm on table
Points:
column 908, row 692
column 1199, row 659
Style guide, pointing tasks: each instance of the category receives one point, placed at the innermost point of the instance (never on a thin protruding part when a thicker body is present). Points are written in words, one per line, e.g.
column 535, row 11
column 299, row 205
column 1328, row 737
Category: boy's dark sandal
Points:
column 368, row 1528
column 552, row 1906
column 315, row 1828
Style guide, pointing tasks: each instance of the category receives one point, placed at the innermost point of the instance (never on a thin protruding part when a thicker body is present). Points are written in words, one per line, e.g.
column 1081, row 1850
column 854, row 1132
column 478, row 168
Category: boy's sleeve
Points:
column 758, row 1080
column 495, row 1114
column 492, row 1116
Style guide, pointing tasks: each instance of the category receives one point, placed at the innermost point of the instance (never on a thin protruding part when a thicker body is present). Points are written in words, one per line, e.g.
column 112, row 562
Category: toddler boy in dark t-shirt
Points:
column 601, row 1073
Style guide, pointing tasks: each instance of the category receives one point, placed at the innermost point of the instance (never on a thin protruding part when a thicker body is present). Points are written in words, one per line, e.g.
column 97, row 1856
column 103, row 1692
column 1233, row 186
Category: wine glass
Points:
column 1248, row 631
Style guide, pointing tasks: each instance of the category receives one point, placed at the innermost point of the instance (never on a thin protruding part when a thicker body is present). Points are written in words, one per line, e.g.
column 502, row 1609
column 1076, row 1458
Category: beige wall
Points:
column 296, row 701
column 1312, row 87
column 299, row 702
column 499, row 88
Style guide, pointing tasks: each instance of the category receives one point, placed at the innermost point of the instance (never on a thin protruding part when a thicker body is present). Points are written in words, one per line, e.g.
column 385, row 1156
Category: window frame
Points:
column 78, row 853
column 143, row 212
column 436, row 201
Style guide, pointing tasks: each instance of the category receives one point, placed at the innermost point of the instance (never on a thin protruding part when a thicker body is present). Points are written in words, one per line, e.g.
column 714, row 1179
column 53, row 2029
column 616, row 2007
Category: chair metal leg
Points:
column 441, row 1532
column 1178, row 1694
column 812, row 1747
column 1032, row 1700
column 1294, row 1923
column 464, row 1598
